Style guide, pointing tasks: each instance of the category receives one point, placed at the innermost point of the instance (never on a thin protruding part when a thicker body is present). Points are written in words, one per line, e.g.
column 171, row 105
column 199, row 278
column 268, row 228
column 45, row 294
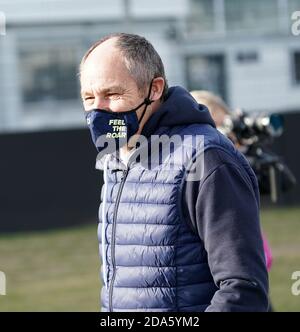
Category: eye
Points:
column 88, row 98
column 113, row 95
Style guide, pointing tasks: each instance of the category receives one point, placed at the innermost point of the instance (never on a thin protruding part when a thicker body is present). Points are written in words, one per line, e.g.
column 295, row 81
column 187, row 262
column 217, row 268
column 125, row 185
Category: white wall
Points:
column 73, row 10
column 10, row 94
column 159, row 8
column 268, row 83
column 61, row 10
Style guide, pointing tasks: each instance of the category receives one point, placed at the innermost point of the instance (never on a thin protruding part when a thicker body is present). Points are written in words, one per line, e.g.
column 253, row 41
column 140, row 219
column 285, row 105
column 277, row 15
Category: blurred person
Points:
column 167, row 244
column 216, row 105
column 219, row 110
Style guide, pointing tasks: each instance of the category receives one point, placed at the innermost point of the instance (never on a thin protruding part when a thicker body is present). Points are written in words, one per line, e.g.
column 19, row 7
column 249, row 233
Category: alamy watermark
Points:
column 163, row 152
column 296, row 23
column 296, row 285
column 2, row 283
column 2, row 24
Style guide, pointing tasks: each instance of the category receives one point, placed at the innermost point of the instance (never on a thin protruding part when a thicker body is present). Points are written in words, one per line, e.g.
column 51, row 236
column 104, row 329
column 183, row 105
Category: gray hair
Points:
column 141, row 59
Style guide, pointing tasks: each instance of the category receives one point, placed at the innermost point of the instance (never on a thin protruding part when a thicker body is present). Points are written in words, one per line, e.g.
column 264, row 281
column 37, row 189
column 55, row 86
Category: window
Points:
column 47, row 93
column 48, row 73
column 254, row 15
column 247, row 57
column 201, row 17
column 296, row 67
column 207, row 72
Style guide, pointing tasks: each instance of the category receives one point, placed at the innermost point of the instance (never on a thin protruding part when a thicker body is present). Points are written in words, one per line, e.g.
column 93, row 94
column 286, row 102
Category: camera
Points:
column 253, row 134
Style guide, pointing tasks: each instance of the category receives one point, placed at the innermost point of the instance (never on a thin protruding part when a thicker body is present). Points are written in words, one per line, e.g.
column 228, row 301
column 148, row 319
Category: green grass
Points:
column 51, row 271
column 282, row 227
column 59, row 270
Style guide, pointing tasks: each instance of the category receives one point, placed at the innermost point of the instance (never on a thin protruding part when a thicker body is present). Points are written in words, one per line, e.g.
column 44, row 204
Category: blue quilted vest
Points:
column 151, row 258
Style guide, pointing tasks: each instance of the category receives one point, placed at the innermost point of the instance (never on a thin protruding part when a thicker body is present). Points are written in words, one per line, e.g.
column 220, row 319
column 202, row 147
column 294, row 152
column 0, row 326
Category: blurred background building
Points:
column 242, row 50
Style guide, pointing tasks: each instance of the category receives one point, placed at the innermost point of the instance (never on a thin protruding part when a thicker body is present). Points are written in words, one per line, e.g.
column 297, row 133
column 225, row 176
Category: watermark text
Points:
column 2, row 283
column 296, row 285
column 161, row 152
column 296, row 23
column 2, row 24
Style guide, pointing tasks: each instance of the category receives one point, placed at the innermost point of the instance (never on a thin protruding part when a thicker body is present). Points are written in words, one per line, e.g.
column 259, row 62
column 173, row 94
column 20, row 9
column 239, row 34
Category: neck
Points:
column 125, row 150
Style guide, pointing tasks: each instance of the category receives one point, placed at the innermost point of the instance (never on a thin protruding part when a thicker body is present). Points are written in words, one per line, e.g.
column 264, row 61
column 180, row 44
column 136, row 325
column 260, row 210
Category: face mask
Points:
column 112, row 130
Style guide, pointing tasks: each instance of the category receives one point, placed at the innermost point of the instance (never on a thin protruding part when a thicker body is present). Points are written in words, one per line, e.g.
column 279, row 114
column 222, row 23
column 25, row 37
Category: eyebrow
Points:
column 117, row 88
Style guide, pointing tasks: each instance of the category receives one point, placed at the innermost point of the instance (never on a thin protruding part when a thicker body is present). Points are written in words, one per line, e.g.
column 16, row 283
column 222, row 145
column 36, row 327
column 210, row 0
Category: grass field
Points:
column 59, row 270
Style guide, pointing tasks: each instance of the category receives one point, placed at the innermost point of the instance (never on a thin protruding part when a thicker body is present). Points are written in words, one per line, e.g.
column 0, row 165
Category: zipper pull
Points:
column 124, row 174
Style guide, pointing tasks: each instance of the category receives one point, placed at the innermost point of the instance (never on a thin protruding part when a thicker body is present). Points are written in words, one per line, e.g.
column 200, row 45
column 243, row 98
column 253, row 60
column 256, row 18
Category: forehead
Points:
column 105, row 67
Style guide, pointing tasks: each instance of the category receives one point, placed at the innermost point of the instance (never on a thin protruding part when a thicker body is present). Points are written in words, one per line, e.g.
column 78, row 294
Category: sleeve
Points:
column 226, row 214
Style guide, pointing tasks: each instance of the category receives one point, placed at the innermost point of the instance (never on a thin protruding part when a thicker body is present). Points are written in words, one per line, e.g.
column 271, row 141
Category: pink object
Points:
column 268, row 253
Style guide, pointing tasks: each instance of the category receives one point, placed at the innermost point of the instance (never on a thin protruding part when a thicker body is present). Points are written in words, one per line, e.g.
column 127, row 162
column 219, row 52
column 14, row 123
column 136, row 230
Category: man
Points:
column 169, row 242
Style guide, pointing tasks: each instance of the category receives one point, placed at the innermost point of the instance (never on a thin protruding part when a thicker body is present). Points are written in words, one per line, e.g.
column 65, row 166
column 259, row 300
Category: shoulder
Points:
column 208, row 135
column 214, row 148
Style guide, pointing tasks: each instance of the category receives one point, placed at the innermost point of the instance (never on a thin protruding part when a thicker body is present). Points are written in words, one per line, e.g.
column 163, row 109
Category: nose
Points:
column 97, row 103
column 101, row 102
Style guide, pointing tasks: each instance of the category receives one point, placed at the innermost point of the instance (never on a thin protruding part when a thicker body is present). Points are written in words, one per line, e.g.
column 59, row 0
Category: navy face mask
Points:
column 112, row 130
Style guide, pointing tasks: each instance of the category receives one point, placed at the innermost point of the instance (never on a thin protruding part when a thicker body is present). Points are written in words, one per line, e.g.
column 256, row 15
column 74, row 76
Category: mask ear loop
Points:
column 147, row 102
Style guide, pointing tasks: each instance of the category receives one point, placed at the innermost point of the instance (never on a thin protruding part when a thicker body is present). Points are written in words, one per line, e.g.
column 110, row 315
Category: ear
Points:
column 157, row 89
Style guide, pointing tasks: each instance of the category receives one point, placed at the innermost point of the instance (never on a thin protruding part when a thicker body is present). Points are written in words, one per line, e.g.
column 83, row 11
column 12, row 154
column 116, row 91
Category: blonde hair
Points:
column 216, row 105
